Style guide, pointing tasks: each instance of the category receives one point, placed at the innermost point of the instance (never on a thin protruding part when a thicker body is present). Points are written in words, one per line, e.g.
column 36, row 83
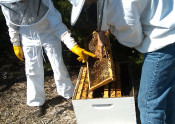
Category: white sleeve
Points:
column 122, row 17
column 68, row 40
column 59, row 28
column 13, row 32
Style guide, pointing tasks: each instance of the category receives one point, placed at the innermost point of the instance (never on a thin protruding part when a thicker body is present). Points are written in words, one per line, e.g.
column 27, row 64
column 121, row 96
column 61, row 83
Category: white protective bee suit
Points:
column 36, row 28
column 146, row 25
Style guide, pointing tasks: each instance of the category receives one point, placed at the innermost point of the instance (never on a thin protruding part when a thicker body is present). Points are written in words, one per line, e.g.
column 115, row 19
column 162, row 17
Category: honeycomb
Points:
column 100, row 69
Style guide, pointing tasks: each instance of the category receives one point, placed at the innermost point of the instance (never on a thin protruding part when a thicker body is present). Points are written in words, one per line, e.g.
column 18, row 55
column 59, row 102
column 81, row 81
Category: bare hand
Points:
column 103, row 40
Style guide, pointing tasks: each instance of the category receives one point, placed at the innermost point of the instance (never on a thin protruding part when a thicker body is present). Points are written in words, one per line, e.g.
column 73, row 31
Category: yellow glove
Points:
column 18, row 52
column 82, row 53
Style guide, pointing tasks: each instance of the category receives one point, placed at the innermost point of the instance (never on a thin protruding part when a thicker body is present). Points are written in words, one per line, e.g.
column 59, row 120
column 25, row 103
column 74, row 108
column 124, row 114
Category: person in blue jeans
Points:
column 149, row 27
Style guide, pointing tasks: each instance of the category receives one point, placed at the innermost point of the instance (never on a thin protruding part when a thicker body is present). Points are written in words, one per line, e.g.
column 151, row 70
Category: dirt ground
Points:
column 13, row 108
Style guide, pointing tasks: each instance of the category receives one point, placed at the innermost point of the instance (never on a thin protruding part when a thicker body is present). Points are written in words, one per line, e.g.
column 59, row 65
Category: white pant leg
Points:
column 63, row 82
column 35, row 90
column 34, row 72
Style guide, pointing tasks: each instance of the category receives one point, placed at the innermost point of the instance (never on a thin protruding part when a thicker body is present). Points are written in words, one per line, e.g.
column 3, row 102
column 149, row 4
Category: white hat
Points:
column 9, row 1
column 77, row 6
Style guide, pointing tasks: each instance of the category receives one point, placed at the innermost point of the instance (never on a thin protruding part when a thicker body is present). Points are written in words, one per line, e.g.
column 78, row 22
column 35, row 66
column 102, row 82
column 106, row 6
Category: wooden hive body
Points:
column 119, row 88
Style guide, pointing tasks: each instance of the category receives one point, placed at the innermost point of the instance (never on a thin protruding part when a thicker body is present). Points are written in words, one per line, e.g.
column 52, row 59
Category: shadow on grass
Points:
column 8, row 83
column 58, row 101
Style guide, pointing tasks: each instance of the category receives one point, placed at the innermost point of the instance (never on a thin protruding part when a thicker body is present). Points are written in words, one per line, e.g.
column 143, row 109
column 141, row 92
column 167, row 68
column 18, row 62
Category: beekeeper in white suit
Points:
column 37, row 24
column 149, row 27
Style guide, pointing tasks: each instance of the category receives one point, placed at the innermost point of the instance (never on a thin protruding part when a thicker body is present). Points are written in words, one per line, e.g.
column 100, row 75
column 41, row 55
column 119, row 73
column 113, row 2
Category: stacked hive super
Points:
column 102, row 93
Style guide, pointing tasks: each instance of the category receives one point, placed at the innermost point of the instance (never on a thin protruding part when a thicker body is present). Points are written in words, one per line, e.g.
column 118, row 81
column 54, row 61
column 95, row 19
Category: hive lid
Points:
column 100, row 70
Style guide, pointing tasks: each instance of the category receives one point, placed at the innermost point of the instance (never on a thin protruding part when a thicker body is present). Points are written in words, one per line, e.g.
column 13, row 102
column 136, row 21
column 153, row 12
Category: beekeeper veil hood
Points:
column 9, row 1
column 77, row 6
column 24, row 13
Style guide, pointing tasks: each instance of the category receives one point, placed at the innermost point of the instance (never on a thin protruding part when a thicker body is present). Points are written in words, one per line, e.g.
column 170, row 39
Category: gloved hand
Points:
column 18, row 52
column 82, row 53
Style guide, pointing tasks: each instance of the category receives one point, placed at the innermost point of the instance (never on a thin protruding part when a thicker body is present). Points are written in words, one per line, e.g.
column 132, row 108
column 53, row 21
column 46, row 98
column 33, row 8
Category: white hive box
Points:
column 113, row 103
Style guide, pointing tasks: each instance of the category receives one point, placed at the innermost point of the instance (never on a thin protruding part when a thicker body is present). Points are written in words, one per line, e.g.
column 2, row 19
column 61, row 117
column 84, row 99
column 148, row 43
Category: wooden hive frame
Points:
column 100, row 71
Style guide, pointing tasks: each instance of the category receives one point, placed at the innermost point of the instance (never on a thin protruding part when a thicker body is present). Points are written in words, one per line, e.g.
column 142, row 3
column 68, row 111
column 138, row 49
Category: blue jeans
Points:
column 156, row 99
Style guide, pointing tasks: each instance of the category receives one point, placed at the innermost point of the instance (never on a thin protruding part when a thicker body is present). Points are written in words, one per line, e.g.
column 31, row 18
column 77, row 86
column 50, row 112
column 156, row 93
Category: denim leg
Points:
column 170, row 110
column 157, row 87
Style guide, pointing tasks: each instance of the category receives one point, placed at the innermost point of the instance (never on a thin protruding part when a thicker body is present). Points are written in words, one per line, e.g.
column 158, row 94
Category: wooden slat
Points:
column 106, row 91
column 77, row 85
column 81, row 82
column 90, row 94
column 118, row 80
column 101, row 84
column 85, row 88
column 112, row 91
